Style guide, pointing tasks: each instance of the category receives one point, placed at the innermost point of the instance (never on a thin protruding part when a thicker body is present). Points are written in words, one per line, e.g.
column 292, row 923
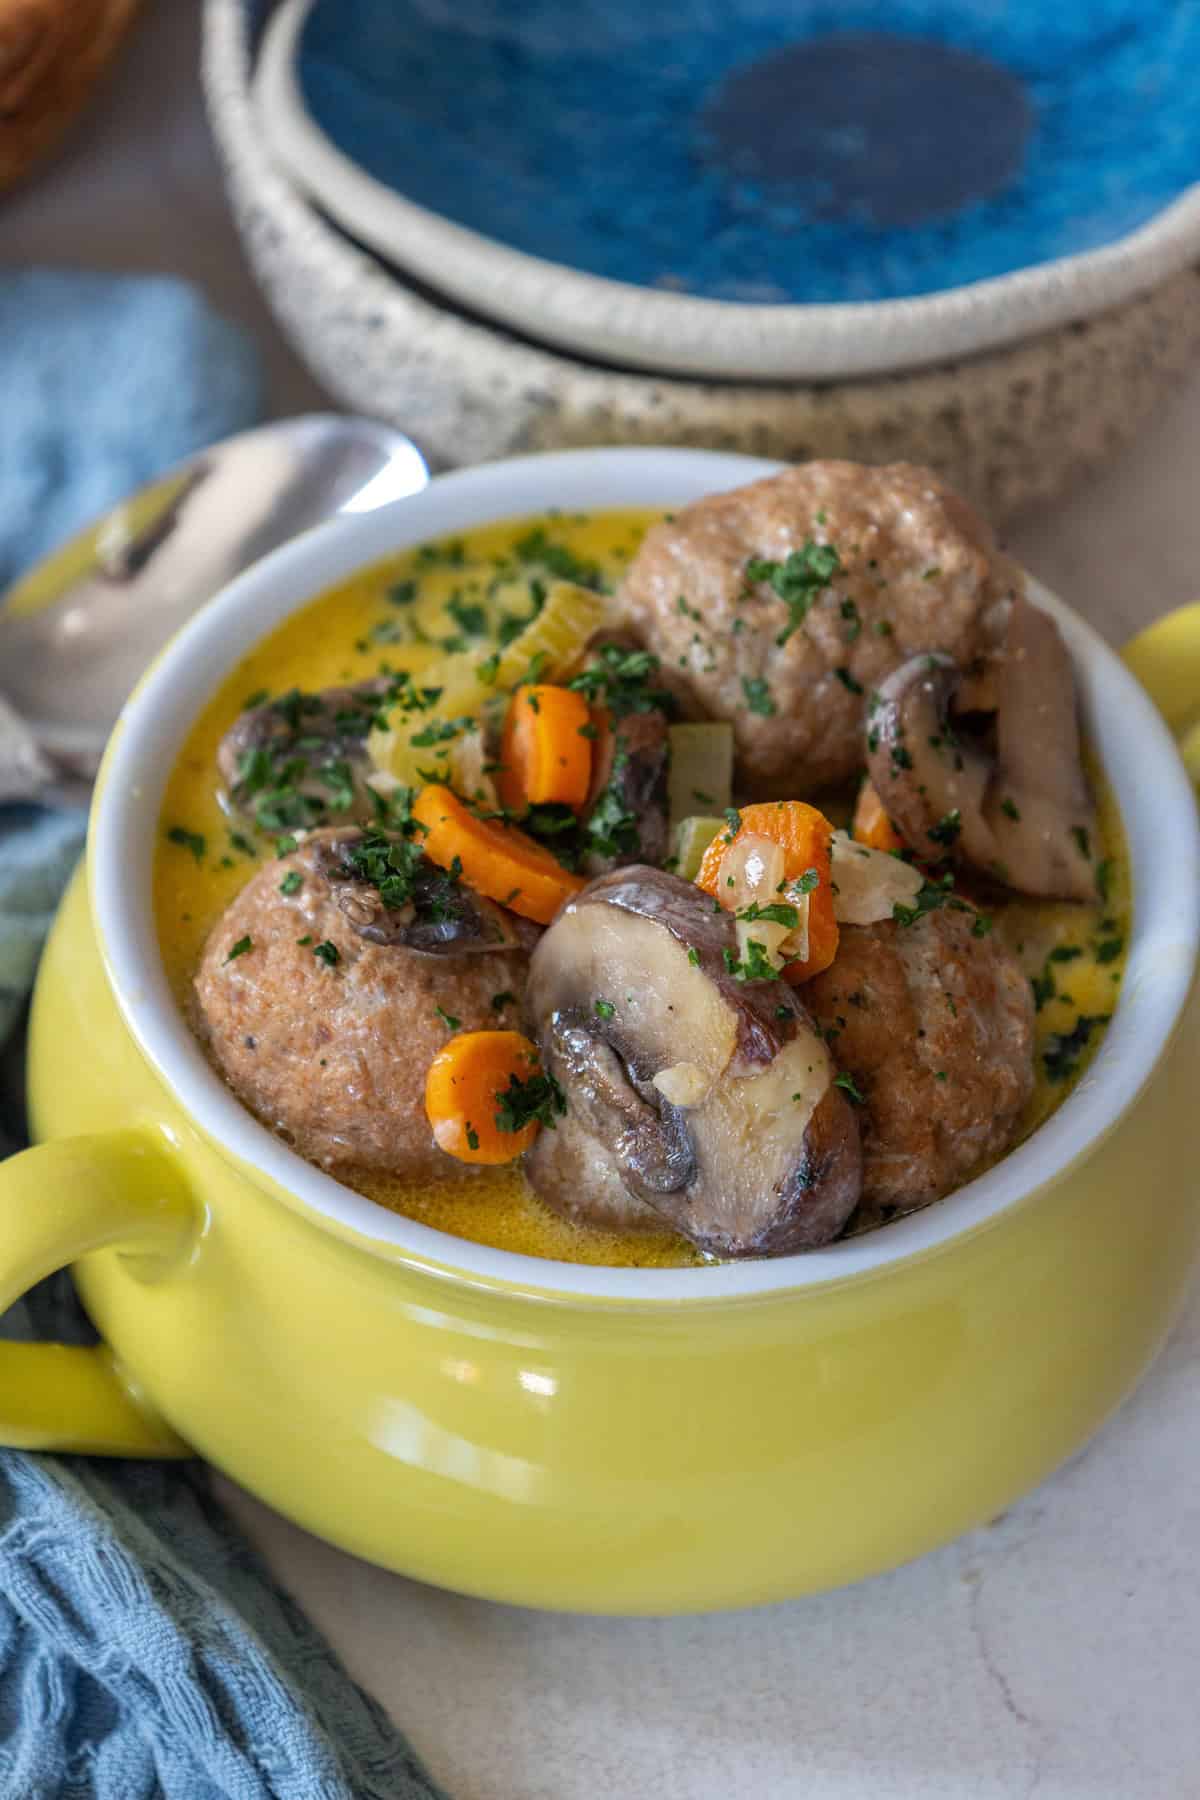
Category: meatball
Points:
column 935, row 1027
column 789, row 649
column 331, row 1052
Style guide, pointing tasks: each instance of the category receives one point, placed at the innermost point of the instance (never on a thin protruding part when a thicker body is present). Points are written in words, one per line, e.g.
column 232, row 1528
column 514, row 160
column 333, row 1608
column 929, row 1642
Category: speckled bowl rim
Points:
column 636, row 327
column 1143, row 764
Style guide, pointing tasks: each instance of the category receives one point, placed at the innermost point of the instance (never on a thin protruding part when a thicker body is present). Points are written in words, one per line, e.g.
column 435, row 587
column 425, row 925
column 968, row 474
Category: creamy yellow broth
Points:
column 402, row 613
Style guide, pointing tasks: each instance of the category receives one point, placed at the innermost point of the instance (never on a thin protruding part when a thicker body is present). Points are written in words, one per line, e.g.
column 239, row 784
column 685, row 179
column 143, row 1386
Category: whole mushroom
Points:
column 693, row 1097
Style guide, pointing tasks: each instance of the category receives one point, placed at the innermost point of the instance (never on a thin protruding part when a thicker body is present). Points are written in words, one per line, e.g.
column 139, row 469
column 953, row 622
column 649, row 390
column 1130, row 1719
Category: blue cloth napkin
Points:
column 145, row 1651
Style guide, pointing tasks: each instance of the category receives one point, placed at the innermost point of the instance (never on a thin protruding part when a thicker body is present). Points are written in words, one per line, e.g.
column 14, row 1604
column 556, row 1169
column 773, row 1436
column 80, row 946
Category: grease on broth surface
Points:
column 403, row 614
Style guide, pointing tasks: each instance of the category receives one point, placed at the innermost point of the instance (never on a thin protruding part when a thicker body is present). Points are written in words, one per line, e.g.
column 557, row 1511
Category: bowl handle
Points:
column 58, row 1201
column 1166, row 660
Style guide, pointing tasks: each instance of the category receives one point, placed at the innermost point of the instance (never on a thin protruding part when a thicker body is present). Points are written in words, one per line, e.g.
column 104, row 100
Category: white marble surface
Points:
column 1053, row 1654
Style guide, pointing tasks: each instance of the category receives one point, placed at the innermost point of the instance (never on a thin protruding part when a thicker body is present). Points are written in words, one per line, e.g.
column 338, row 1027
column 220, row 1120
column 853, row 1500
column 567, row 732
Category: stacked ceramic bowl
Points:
column 965, row 235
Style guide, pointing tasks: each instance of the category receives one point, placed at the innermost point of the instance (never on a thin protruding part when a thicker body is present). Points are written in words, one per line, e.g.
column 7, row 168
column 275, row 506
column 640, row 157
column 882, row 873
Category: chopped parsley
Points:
column 1009, row 808
column 255, row 699
column 853, row 619
column 471, row 618
column 847, row 680
column 538, row 547
column 1061, row 1056
column 846, row 1082
column 623, row 681
column 948, row 829
column 240, row 948
column 930, row 896
column 388, row 862
column 733, row 820
column 472, row 1137
column 1082, row 840
column 778, row 913
column 448, row 1019
column 758, row 696
column 612, row 829
column 188, row 840
column 402, row 593
column 328, row 953
column 798, row 581
column 501, row 1000
column 605, row 1009
column 757, row 965
column 1044, row 987
column 1065, row 953
column 1104, row 877
column 1109, row 949
column 539, row 1097
column 694, row 957
column 292, row 882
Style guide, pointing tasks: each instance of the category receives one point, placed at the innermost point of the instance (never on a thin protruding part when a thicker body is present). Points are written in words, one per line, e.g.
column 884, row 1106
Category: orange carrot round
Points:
column 463, row 1092
column 871, row 825
column 804, row 835
column 545, row 750
column 496, row 859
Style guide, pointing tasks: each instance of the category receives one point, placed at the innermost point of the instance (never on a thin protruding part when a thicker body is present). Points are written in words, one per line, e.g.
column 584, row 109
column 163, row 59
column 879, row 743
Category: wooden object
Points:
column 52, row 53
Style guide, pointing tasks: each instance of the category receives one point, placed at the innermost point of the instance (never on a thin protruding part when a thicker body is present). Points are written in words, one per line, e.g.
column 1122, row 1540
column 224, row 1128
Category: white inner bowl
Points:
column 1135, row 747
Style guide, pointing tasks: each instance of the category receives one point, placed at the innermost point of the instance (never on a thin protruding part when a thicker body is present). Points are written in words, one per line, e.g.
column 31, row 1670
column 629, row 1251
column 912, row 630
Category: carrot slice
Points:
column 463, row 1090
column 872, row 826
column 804, row 835
column 545, row 750
column 496, row 859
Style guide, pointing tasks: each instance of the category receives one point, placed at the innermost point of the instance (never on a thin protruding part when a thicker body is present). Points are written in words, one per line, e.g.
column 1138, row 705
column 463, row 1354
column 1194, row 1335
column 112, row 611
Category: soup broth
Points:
column 406, row 612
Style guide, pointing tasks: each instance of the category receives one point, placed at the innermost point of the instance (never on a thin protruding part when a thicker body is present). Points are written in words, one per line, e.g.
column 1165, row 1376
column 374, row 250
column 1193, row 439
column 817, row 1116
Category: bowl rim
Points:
column 1139, row 755
column 644, row 329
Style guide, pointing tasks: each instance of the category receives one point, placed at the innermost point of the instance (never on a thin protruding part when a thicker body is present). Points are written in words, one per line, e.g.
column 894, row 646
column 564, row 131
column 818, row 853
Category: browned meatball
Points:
column 333, row 1054
column 935, row 1025
column 916, row 570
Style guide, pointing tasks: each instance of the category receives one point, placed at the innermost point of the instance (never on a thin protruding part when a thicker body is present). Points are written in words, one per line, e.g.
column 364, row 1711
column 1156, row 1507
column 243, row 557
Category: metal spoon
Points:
column 78, row 630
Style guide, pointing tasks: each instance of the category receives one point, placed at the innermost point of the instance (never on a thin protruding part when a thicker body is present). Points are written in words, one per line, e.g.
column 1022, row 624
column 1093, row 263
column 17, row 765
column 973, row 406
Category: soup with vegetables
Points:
column 640, row 889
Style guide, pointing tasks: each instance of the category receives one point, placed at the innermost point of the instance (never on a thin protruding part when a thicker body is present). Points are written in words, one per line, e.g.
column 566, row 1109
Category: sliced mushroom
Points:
column 441, row 917
column 692, row 1097
column 1013, row 801
column 628, row 807
column 301, row 760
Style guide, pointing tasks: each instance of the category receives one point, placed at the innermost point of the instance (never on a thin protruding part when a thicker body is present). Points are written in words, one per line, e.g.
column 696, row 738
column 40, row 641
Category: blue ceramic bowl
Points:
column 764, row 187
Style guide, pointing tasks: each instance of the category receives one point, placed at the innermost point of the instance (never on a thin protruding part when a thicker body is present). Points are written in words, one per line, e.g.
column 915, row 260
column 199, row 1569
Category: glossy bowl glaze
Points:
column 1055, row 396
column 610, row 1440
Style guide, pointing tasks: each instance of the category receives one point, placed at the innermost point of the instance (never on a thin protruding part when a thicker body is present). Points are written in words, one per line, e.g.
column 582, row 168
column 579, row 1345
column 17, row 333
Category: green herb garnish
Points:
column 540, row 1097
column 240, row 948
column 188, row 840
column 798, row 580
column 758, row 696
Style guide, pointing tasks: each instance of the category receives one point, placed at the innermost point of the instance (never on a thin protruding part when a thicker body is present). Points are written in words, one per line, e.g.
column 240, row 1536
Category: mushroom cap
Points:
column 693, row 1098
column 318, row 741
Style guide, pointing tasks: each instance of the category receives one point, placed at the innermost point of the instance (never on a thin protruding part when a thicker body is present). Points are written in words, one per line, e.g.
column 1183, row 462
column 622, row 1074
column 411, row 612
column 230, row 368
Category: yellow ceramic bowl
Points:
column 617, row 1440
